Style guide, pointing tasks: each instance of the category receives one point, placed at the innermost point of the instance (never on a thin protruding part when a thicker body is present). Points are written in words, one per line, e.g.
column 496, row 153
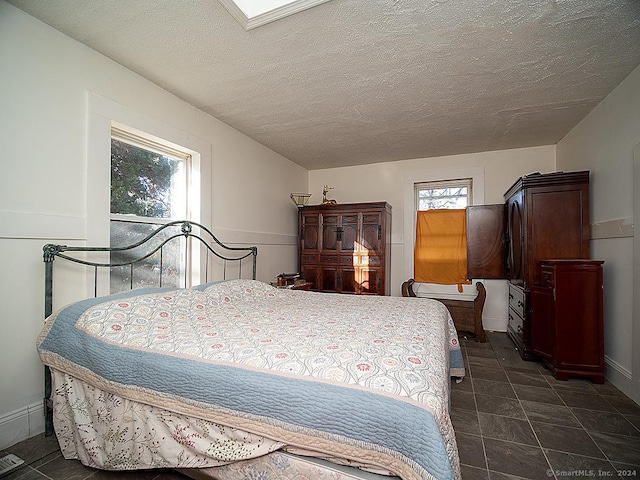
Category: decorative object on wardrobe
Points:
column 325, row 200
column 300, row 199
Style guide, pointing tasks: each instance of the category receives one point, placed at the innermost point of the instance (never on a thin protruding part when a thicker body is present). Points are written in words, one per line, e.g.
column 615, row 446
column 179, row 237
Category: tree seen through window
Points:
column 141, row 181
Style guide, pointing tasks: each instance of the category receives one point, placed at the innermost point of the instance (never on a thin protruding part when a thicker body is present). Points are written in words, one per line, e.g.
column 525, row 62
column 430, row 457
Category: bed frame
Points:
column 186, row 235
column 466, row 314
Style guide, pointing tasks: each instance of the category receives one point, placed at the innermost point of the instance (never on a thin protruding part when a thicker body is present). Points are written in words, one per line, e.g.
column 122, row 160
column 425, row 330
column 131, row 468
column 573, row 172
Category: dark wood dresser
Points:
column 346, row 247
column 566, row 318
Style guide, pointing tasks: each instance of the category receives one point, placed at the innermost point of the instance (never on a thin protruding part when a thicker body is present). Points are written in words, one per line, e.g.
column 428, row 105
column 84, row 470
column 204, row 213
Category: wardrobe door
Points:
column 516, row 238
column 309, row 247
column 486, row 242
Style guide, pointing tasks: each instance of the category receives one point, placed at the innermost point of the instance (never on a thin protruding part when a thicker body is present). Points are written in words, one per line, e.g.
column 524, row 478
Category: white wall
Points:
column 391, row 182
column 603, row 143
column 47, row 81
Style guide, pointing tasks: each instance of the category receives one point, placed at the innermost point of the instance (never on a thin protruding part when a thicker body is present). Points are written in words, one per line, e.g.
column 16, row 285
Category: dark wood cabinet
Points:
column 566, row 318
column 346, row 247
column 545, row 216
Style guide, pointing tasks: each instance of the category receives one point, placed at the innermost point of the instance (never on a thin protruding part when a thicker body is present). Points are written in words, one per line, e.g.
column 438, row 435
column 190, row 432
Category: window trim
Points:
column 146, row 142
column 103, row 115
column 164, row 148
column 439, row 184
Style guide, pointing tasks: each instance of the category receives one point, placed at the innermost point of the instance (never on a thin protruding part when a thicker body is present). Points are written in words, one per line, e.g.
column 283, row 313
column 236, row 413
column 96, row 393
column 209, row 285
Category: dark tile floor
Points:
column 512, row 419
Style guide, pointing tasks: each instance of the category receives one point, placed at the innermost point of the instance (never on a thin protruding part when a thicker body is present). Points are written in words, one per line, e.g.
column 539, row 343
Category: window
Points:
column 148, row 180
column 443, row 194
column 432, row 176
column 440, row 255
column 149, row 187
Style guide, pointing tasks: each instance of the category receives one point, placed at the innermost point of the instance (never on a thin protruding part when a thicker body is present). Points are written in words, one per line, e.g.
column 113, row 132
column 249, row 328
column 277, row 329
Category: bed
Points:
column 235, row 378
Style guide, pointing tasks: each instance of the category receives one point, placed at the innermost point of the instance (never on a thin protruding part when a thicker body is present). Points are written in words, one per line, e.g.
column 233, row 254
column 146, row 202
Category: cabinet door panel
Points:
column 486, row 254
column 515, row 238
column 310, row 236
column 370, row 281
column 310, row 232
column 579, row 319
column 330, row 237
column 347, row 281
column 556, row 227
column 329, row 232
column 329, row 279
column 349, row 237
column 311, row 273
column 371, row 232
column 543, row 322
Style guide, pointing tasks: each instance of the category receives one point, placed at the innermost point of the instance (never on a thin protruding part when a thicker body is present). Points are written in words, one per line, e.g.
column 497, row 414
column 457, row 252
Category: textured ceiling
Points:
column 352, row 82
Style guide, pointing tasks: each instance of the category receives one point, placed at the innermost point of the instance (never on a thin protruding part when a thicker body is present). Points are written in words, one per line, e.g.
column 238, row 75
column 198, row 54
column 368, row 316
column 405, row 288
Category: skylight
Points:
column 253, row 13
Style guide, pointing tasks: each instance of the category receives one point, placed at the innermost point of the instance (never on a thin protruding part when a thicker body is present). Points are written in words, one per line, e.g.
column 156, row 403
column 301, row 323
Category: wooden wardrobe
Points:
column 346, row 247
column 545, row 216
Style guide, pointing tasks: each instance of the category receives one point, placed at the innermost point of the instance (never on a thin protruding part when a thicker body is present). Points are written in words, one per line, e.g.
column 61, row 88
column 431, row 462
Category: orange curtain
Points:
column 440, row 254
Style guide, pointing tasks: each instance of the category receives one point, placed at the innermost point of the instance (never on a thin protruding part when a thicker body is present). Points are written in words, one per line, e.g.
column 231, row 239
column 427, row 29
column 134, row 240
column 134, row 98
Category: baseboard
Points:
column 622, row 379
column 494, row 324
column 21, row 424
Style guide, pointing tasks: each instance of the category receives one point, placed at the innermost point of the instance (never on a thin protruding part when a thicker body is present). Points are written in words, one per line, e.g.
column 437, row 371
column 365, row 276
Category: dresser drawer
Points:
column 516, row 322
column 329, row 259
column 517, row 299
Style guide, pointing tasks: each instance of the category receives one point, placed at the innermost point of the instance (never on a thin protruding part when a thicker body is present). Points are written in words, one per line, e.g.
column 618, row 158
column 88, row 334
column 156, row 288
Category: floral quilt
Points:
column 360, row 378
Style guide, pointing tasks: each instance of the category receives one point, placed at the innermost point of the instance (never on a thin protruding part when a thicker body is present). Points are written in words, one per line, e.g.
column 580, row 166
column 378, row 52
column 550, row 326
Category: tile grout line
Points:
column 606, row 457
column 475, row 402
column 550, row 469
column 584, row 428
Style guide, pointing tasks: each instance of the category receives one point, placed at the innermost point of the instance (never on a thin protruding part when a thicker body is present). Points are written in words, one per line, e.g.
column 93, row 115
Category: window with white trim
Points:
column 443, row 194
column 149, row 188
column 437, row 256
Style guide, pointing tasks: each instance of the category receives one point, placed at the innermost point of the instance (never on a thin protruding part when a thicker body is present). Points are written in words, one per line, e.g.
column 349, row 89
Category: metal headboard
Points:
column 138, row 252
